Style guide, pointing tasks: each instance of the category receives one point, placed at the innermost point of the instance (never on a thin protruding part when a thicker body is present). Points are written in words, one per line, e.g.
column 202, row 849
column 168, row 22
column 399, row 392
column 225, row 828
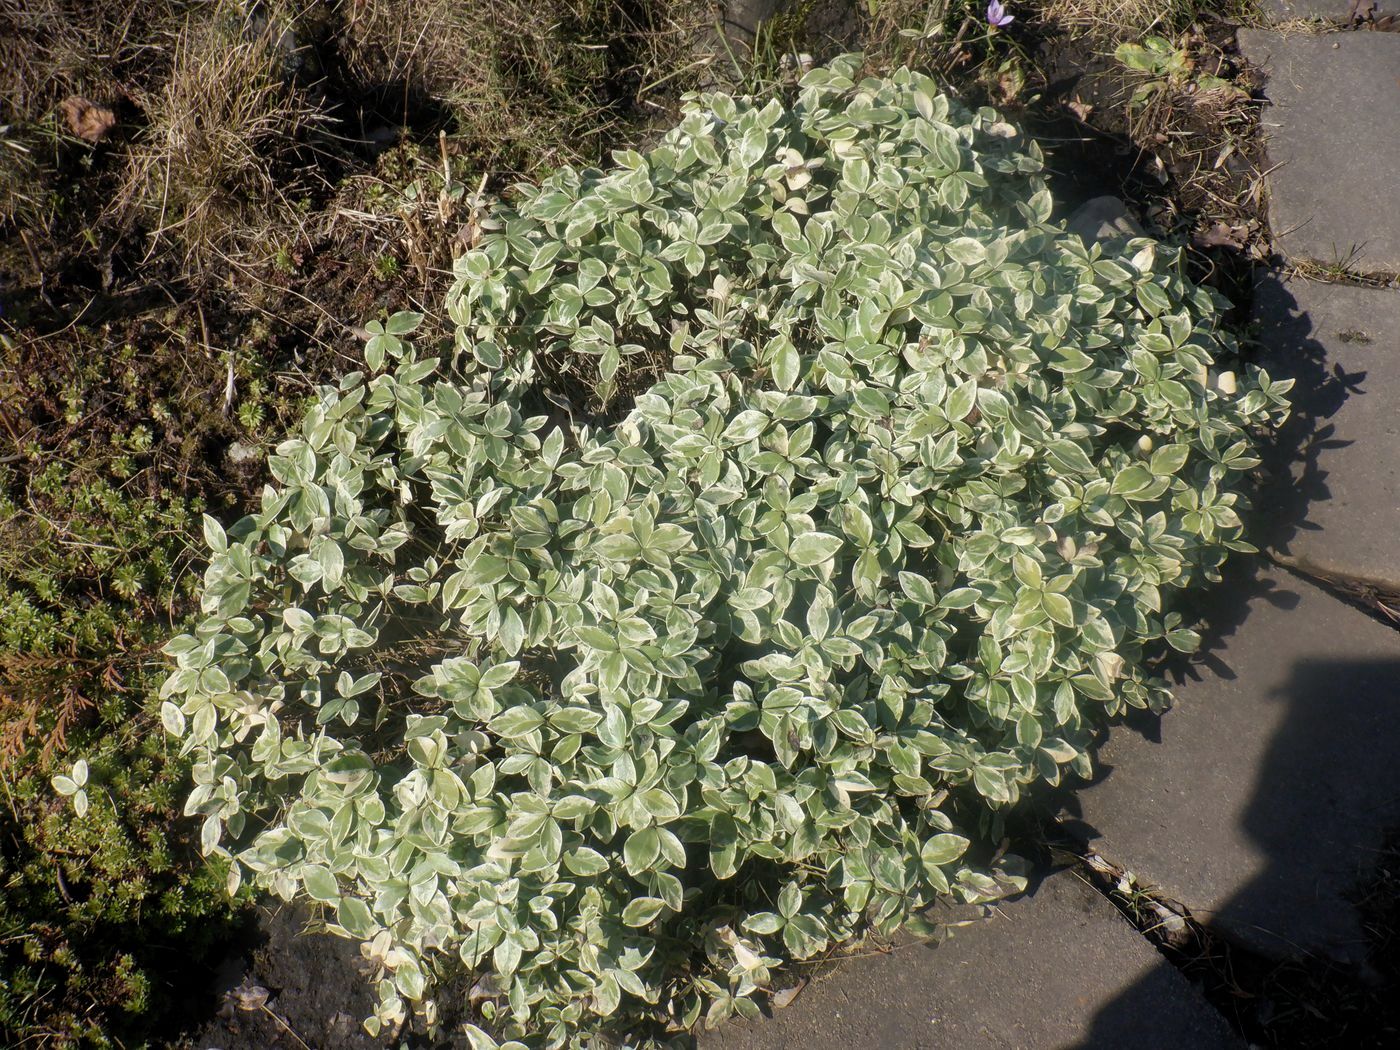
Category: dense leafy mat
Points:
column 757, row 668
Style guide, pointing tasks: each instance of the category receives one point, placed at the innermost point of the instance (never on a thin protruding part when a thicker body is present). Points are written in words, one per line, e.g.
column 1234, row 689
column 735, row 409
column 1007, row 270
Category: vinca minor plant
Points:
column 620, row 716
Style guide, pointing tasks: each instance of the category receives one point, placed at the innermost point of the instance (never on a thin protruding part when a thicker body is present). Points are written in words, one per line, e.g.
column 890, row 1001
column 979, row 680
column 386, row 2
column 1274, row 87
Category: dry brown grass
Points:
column 217, row 158
column 21, row 185
column 224, row 166
column 1117, row 19
column 519, row 87
column 51, row 48
column 529, row 84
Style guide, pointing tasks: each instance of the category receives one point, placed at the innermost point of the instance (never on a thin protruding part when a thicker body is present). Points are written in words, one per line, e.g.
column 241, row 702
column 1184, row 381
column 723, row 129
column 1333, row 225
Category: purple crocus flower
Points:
column 997, row 16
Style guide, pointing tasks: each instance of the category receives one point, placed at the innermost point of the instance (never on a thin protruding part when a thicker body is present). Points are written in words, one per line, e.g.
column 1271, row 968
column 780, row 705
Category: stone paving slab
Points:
column 1054, row 970
column 1335, row 501
column 1260, row 800
column 1332, row 136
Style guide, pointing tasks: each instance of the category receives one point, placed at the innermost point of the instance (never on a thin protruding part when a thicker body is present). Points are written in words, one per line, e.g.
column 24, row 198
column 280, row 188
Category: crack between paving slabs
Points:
column 1371, row 597
column 1208, row 961
column 1323, row 273
column 1266, row 1001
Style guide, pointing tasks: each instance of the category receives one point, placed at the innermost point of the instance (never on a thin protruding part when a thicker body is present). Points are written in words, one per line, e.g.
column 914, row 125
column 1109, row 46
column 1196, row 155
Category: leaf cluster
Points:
column 621, row 719
column 1166, row 66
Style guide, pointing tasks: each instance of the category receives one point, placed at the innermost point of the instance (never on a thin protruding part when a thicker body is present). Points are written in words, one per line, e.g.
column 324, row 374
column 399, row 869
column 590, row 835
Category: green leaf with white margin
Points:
column 785, row 362
column 584, row 861
column 172, row 719
column 642, row 850
column 354, row 914
column 960, row 598
column 967, row 250
column 1058, row 608
column 814, row 548
column 642, row 911
column 943, row 849
column 214, row 536
column 1069, row 457
column 512, row 632
column 320, row 883
column 918, row 588
column 403, row 322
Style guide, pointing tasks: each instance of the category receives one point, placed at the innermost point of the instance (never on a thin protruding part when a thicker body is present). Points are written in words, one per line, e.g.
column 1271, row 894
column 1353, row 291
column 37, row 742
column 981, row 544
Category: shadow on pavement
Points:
column 1326, row 797
column 1337, row 754
column 1295, row 478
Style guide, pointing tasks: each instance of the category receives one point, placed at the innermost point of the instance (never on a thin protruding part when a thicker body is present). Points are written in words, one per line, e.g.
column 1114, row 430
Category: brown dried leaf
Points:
column 1221, row 235
column 86, row 119
column 1361, row 10
column 248, row 996
column 785, row 997
column 1011, row 82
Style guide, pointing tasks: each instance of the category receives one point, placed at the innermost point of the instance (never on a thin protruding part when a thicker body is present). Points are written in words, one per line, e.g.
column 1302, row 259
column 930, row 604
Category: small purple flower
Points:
column 997, row 16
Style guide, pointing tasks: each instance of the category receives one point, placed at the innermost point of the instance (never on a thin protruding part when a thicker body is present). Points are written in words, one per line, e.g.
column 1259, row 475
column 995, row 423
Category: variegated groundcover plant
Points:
column 618, row 719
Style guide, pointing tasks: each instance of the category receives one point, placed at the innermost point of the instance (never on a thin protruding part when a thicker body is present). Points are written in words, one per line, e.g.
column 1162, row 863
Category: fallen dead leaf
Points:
column 248, row 996
column 486, row 988
column 787, row 995
column 1221, row 235
column 86, row 119
column 1368, row 13
column 1011, row 83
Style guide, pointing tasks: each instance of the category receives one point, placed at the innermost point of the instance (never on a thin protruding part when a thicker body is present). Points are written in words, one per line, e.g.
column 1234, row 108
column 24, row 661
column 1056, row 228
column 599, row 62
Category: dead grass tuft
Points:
column 529, row 84
column 51, row 50
column 1117, row 19
column 225, row 166
column 22, row 184
column 46, row 52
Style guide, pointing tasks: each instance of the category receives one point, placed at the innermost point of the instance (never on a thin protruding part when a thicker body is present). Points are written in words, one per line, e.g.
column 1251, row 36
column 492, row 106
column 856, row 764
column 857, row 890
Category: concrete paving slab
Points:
column 1332, row 135
column 1334, row 503
column 1051, row 971
column 1261, row 799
